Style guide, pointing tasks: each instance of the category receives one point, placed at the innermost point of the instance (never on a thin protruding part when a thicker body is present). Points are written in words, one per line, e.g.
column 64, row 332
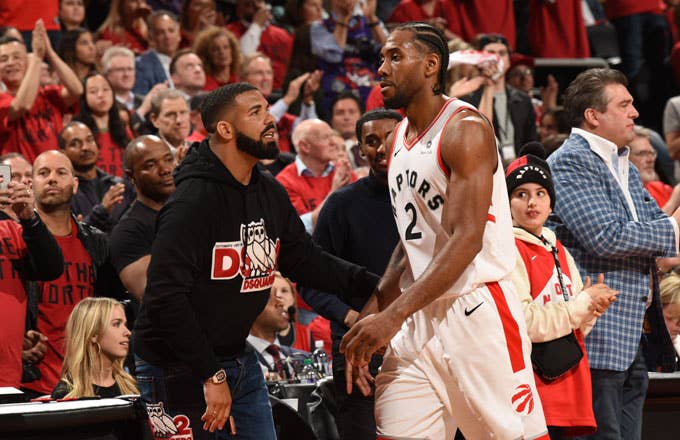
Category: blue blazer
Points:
column 148, row 72
column 592, row 219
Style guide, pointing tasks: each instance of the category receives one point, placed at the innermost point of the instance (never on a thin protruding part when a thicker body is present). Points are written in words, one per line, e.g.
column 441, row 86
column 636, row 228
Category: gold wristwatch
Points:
column 218, row 378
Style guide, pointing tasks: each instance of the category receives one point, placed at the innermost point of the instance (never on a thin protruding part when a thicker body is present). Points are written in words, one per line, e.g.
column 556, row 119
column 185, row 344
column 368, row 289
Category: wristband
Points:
column 339, row 23
column 374, row 24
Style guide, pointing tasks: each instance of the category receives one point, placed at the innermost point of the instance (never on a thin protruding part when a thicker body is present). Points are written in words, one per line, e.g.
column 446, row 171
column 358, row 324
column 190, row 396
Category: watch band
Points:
column 219, row 377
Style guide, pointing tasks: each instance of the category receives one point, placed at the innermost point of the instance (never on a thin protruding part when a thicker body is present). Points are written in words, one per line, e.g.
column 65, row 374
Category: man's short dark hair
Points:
column 180, row 53
column 347, row 94
column 373, row 115
column 435, row 42
column 6, row 40
column 587, row 91
column 61, row 142
column 220, row 100
column 151, row 19
column 482, row 40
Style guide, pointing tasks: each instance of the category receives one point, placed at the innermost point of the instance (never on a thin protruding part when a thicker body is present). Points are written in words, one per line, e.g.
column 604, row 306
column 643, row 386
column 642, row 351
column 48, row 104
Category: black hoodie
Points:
column 204, row 288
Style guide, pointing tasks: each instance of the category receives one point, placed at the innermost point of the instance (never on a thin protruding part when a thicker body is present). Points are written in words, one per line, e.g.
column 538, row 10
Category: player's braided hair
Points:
column 435, row 41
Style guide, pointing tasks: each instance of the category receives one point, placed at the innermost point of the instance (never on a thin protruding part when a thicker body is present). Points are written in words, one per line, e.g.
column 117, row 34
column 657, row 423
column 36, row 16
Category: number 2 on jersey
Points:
column 410, row 234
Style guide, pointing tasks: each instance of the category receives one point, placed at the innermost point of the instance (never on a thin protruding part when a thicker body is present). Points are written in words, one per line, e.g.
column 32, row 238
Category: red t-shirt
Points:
column 12, row 304
column 623, row 8
column 195, row 136
column 556, row 30
column 285, row 129
column 58, row 298
column 211, row 83
column 305, row 192
column 110, row 154
column 468, row 19
column 35, row 131
column 660, row 191
column 22, row 14
column 276, row 43
column 132, row 40
column 410, row 10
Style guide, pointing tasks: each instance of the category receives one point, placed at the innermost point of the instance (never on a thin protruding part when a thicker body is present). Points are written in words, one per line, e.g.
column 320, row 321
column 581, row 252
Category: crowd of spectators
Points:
column 100, row 101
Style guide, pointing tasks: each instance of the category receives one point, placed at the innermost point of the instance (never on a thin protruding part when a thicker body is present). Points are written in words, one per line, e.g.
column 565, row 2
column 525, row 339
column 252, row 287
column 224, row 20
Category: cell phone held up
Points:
column 6, row 174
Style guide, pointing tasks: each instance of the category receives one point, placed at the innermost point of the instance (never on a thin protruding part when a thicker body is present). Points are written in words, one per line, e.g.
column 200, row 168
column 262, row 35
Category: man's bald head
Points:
column 54, row 181
column 53, row 158
column 149, row 164
column 137, row 147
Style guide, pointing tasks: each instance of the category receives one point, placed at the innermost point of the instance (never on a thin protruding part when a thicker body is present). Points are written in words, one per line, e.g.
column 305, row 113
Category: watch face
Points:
column 220, row 376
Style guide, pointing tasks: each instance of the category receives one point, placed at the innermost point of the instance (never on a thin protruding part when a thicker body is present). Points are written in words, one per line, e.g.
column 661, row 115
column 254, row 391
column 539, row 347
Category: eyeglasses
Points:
column 648, row 153
column 121, row 69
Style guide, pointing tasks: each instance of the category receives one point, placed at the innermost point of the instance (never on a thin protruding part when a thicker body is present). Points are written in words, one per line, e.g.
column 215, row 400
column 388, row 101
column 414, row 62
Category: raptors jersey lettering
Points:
column 418, row 179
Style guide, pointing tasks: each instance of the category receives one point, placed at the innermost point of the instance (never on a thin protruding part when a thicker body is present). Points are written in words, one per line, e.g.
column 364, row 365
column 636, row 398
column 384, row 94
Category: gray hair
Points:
column 115, row 51
column 157, row 101
column 641, row 131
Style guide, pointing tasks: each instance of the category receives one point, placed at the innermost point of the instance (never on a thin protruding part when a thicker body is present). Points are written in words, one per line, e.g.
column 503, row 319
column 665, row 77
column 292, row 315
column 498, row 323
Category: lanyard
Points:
column 555, row 252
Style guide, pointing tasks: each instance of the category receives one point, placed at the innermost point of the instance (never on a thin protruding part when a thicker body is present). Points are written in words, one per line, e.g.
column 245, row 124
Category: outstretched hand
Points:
column 368, row 336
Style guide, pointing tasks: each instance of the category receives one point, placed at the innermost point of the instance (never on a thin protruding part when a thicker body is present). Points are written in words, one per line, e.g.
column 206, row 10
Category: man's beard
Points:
column 55, row 203
column 257, row 148
column 397, row 101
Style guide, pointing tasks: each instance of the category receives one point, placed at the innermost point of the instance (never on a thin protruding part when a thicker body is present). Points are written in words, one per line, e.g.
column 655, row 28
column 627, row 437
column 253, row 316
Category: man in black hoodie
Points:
column 220, row 238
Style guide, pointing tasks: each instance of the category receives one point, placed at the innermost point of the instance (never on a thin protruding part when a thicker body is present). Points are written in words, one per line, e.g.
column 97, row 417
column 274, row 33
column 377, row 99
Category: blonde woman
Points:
column 221, row 55
column 670, row 300
column 97, row 342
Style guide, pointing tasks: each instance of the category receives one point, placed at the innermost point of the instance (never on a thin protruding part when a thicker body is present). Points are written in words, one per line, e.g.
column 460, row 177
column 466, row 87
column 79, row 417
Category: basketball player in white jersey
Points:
column 458, row 354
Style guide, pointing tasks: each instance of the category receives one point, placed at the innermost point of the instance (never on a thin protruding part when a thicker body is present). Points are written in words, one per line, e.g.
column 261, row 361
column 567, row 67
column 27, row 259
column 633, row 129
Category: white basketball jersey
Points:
column 418, row 179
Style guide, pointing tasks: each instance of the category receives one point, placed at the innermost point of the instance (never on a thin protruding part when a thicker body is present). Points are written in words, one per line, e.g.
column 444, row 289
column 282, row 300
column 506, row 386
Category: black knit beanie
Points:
column 530, row 167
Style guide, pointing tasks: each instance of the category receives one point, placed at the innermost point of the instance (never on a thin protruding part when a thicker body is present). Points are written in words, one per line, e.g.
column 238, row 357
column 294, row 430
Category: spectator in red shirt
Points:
column 125, row 25
column 255, row 32
column 98, row 110
column 219, row 50
column 78, row 51
column 87, row 267
column 433, row 12
column 31, row 249
column 312, row 177
column 71, row 14
column 30, row 115
column 197, row 15
column 643, row 156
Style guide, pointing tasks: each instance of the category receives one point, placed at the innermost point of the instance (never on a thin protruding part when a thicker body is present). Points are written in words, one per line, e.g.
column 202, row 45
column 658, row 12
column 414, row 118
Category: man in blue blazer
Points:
column 153, row 66
column 611, row 225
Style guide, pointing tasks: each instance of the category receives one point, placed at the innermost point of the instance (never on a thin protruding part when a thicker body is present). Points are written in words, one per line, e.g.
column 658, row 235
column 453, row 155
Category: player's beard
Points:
column 257, row 148
column 397, row 101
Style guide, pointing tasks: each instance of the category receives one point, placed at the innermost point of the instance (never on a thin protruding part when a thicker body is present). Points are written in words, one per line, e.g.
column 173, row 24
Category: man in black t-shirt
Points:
column 148, row 164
